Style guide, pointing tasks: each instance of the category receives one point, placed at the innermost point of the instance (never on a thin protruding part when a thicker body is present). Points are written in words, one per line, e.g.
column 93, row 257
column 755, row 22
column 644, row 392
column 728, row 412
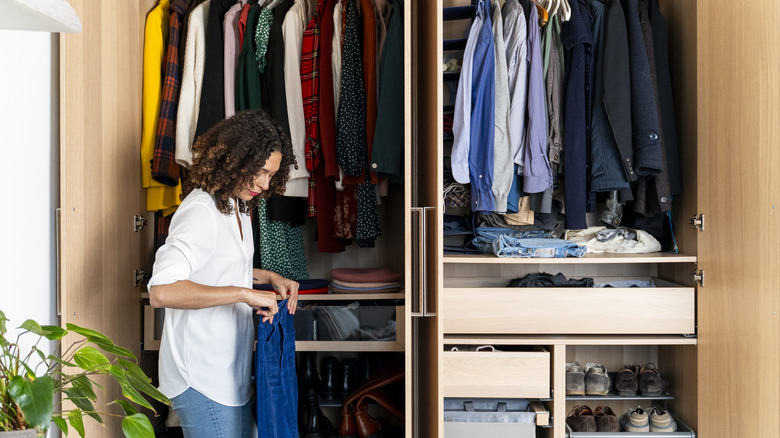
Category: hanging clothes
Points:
column 326, row 114
column 164, row 166
column 275, row 97
column 310, row 93
column 158, row 196
column 292, row 33
column 232, row 50
column 248, row 88
column 281, row 246
column 502, row 149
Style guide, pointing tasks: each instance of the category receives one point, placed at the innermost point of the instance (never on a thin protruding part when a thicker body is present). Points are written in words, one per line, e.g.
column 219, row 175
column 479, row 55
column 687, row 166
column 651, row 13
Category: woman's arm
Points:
column 185, row 294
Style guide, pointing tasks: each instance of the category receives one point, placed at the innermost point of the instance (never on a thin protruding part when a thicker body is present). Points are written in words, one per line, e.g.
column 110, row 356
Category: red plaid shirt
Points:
column 164, row 166
column 310, row 85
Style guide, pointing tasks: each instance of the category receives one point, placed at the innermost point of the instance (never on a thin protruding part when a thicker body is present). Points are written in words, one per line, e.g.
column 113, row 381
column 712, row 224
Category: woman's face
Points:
column 262, row 179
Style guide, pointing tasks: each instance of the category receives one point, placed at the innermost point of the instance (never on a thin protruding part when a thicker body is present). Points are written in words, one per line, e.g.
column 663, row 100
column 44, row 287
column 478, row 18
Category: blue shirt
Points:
column 483, row 115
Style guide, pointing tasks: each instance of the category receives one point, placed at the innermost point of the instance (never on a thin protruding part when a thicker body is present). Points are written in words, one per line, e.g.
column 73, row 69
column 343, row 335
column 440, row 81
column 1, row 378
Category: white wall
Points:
column 29, row 176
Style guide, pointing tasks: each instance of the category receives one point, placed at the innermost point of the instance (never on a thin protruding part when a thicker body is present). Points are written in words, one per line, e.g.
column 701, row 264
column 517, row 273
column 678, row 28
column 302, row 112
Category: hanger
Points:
column 273, row 4
column 565, row 10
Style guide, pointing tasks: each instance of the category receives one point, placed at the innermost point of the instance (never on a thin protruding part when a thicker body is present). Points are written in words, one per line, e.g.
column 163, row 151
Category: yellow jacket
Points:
column 158, row 196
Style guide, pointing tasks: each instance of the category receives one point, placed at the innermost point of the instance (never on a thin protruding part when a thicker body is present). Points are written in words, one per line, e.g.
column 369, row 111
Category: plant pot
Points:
column 29, row 433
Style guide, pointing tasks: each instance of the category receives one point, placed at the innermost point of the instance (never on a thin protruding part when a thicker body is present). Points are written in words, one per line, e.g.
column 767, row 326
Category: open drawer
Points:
column 667, row 309
column 515, row 374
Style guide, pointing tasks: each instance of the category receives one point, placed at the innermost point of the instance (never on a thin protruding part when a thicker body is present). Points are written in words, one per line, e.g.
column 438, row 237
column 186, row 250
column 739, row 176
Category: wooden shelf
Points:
column 351, row 297
column 570, row 340
column 659, row 257
column 356, row 346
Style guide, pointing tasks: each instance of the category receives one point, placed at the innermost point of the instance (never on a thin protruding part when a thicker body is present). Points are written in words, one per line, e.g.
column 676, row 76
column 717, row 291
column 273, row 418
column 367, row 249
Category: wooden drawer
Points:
column 496, row 374
column 659, row 310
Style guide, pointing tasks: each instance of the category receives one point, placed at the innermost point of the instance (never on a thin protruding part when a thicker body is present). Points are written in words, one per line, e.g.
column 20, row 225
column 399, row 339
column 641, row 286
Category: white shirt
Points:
column 461, row 123
column 191, row 83
column 209, row 350
column 293, row 26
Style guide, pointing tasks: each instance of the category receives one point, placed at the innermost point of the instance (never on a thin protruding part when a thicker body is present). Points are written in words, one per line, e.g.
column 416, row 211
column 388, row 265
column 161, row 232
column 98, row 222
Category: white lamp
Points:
column 40, row 15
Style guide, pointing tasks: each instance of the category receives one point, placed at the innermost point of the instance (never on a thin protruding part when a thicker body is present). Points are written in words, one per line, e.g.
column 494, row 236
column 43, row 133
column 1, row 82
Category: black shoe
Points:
column 315, row 427
column 308, row 377
column 349, row 377
column 330, row 372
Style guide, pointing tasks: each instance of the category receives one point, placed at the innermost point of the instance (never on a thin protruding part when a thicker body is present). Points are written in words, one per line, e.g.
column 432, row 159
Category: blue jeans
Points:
column 277, row 383
column 485, row 236
column 510, row 246
column 201, row 417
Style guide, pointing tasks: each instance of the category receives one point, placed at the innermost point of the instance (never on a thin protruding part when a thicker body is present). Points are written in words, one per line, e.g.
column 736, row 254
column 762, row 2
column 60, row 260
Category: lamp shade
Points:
column 38, row 15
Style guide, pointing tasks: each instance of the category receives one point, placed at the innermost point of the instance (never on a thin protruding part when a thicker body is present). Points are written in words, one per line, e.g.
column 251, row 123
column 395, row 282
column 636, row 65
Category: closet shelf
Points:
column 351, row 297
column 659, row 257
column 683, row 431
column 569, row 339
column 615, row 397
column 353, row 346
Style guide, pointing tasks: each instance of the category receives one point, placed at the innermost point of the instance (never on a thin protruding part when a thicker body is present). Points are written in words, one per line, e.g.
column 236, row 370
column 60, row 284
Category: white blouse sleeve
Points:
column 190, row 244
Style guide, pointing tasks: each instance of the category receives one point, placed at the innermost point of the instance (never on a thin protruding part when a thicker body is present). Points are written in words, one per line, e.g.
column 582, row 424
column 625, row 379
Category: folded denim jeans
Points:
column 510, row 246
column 485, row 236
column 276, row 380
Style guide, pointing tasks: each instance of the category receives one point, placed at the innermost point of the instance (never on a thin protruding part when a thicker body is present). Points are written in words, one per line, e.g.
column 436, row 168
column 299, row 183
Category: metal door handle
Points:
column 418, row 262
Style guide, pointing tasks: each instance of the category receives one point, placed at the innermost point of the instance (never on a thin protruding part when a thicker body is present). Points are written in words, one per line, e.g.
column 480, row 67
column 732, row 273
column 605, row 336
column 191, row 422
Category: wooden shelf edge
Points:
column 359, row 296
column 660, row 257
column 570, row 340
column 356, row 346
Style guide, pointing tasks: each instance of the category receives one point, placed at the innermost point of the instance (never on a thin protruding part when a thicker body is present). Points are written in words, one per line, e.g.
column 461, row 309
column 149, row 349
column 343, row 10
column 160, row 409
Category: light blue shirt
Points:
column 515, row 38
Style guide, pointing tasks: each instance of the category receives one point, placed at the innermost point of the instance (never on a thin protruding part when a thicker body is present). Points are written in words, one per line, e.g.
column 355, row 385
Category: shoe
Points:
column 626, row 381
column 315, row 427
column 349, row 377
column 635, row 421
column 575, row 379
column 330, row 373
column 309, row 376
column 597, row 382
column 650, row 382
column 606, row 420
column 661, row 421
column 581, row 419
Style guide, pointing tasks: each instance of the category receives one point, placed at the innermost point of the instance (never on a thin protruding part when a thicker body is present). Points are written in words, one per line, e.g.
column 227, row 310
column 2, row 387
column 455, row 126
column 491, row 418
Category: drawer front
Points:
column 496, row 374
column 661, row 310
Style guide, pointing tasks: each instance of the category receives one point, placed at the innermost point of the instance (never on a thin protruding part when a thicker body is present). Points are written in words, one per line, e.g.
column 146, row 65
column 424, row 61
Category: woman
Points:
column 203, row 276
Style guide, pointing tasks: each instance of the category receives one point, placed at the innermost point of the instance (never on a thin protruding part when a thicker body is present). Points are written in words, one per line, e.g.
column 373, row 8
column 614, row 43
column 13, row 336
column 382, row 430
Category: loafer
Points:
column 581, row 419
column 626, row 382
column 651, row 384
column 661, row 421
column 597, row 382
column 606, row 420
column 635, row 420
column 575, row 379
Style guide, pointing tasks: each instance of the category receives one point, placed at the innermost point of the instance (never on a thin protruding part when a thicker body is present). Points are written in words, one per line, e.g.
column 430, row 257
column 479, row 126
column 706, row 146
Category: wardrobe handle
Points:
column 426, row 259
column 58, row 255
column 418, row 262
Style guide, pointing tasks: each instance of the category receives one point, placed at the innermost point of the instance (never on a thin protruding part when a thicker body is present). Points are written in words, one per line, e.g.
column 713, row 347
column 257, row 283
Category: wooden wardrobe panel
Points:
column 739, row 194
column 100, row 107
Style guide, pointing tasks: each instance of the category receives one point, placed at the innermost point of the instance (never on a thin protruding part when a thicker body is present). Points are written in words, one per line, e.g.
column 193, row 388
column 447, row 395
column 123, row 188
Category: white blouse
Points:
column 209, row 350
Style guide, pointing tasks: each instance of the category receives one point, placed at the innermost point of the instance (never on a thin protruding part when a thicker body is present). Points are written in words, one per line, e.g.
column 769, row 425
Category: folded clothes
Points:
column 349, row 284
column 365, row 275
column 549, row 280
column 622, row 240
column 340, row 290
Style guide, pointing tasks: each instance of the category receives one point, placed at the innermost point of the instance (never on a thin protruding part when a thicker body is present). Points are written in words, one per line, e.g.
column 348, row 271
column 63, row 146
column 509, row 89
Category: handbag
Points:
column 356, row 422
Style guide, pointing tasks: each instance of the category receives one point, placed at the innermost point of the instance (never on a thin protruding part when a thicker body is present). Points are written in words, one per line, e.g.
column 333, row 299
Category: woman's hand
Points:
column 264, row 302
column 287, row 289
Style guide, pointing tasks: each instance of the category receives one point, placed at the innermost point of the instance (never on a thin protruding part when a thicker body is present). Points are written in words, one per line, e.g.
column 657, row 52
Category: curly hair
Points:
column 228, row 156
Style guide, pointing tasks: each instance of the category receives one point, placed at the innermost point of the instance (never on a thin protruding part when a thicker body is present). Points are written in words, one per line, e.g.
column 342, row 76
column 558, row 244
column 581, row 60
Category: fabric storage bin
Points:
column 495, row 418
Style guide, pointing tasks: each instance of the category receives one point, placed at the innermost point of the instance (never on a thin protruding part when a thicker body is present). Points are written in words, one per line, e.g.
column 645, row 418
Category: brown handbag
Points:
column 355, row 420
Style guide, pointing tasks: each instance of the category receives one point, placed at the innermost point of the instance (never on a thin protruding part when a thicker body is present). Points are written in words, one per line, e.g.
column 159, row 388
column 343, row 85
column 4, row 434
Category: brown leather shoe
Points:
column 626, row 382
column 650, row 382
column 581, row 419
column 606, row 420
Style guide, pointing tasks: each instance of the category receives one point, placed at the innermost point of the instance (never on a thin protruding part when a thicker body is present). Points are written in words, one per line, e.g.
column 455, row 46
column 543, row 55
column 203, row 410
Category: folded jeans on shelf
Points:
column 510, row 246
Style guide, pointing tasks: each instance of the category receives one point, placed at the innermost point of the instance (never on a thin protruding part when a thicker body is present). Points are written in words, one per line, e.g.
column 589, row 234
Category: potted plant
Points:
column 29, row 381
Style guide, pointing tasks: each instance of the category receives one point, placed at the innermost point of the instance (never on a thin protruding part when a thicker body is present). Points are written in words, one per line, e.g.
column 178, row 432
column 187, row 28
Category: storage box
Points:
column 494, row 418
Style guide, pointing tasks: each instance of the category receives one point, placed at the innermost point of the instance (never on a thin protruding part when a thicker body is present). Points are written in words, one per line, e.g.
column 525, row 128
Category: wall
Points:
column 29, row 176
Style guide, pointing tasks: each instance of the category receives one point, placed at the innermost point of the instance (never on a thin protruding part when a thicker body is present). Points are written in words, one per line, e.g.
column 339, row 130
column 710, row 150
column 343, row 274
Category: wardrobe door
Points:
column 739, row 196
column 426, row 218
column 100, row 126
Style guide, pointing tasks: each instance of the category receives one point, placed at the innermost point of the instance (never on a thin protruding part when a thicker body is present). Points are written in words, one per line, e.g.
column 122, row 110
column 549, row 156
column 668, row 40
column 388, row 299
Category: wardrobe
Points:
column 717, row 339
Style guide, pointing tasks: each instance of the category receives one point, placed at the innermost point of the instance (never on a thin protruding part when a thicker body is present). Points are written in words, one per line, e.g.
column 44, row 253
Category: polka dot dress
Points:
column 281, row 247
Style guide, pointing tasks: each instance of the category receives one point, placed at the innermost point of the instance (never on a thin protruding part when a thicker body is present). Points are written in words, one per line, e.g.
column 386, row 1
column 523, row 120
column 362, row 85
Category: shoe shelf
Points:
column 615, row 397
column 659, row 257
column 683, row 431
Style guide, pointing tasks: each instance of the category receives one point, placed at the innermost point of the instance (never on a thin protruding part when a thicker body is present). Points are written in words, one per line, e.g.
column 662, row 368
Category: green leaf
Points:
column 90, row 359
column 110, row 347
column 82, row 402
column 62, row 362
column 142, row 382
column 76, row 422
column 41, row 354
column 137, row 426
column 3, row 319
column 85, row 386
column 61, row 424
column 87, row 333
column 127, row 389
column 34, row 398
column 126, row 406
column 53, row 332
column 32, row 327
